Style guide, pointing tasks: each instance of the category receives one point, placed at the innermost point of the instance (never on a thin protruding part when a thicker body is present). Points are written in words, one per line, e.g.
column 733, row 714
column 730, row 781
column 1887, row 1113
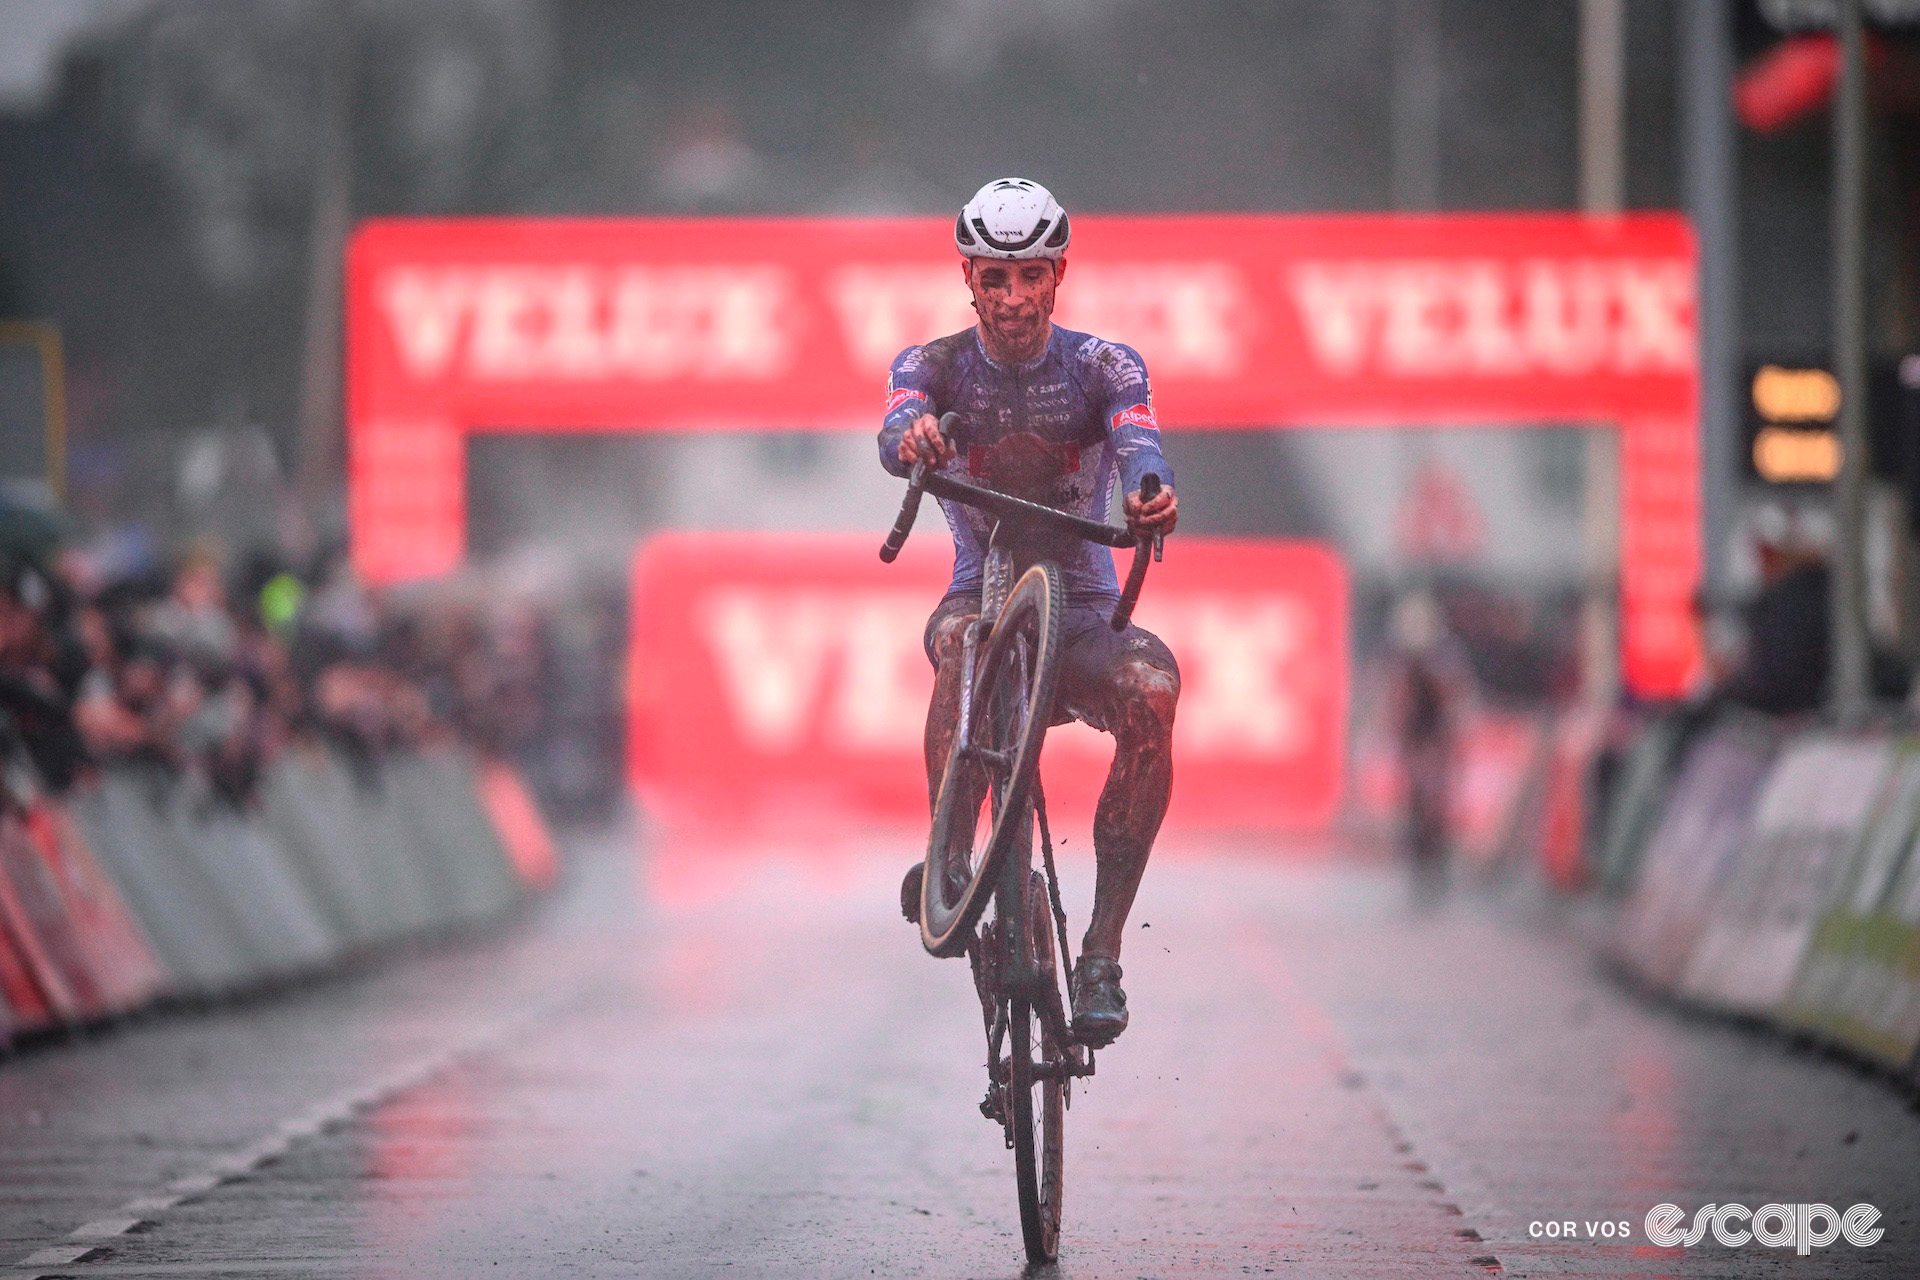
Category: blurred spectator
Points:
column 189, row 673
column 192, row 622
column 1784, row 668
column 1788, row 638
column 1426, row 689
column 33, row 701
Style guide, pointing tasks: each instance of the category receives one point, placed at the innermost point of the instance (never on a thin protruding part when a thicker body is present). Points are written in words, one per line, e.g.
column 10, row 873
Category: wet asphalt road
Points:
column 738, row 1063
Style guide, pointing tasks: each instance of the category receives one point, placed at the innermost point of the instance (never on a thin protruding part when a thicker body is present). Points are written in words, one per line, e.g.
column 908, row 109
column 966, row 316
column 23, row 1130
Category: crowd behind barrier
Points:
column 1766, row 863
column 1756, row 860
column 214, row 781
column 1761, row 866
column 1769, row 868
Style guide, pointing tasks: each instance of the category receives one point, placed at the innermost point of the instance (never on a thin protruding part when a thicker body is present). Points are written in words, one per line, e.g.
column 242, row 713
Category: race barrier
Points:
column 1693, row 841
column 782, row 680
column 1628, row 814
column 1806, row 827
column 114, row 947
column 1860, row 982
column 1781, row 881
column 141, row 885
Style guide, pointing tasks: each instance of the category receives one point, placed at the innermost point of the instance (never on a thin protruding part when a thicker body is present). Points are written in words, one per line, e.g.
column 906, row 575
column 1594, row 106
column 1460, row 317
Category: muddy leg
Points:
column 943, row 723
column 943, row 713
column 1140, row 714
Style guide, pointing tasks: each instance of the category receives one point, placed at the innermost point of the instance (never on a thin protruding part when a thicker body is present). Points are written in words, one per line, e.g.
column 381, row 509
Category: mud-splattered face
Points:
column 1014, row 301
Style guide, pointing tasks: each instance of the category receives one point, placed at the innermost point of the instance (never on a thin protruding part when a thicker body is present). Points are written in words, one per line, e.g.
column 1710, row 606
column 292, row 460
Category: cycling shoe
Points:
column 1099, row 1005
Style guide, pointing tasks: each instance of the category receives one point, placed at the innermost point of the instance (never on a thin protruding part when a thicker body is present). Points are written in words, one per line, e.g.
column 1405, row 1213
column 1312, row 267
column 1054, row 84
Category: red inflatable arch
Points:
column 1245, row 321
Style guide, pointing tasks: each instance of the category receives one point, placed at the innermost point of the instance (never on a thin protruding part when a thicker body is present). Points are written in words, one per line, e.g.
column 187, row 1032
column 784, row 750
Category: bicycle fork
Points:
column 969, row 647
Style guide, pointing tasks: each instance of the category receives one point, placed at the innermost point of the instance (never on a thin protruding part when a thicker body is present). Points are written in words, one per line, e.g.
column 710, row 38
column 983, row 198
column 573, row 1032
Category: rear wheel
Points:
column 1037, row 1107
column 985, row 798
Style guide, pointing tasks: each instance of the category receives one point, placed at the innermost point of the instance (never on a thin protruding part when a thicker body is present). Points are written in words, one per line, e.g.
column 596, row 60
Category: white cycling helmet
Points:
column 1012, row 218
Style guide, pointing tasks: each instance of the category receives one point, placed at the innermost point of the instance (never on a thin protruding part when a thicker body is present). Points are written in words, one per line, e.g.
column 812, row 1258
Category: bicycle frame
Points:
column 1012, row 974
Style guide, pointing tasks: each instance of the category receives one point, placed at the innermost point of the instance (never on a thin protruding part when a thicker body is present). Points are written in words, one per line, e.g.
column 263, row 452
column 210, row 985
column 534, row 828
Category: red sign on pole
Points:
column 782, row 677
column 1244, row 321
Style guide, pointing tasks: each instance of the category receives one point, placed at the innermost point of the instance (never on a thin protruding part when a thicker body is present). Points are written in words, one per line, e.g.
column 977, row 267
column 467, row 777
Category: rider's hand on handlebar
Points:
column 1147, row 519
column 923, row 440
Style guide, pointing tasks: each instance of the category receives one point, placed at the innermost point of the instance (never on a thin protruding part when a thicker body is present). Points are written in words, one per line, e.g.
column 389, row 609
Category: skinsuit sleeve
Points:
column 909, row 394
column 1128, row 414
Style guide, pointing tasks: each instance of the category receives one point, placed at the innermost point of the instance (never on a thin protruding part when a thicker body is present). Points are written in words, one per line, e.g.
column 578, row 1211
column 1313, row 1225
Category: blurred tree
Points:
column 447, row 102
column 276, row 122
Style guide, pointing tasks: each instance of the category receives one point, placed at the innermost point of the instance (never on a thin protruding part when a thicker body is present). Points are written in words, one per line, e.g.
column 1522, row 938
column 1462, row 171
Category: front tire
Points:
column 1012, row 705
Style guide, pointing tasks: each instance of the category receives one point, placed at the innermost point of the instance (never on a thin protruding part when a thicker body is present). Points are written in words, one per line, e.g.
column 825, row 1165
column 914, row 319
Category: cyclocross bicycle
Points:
column 980, row 850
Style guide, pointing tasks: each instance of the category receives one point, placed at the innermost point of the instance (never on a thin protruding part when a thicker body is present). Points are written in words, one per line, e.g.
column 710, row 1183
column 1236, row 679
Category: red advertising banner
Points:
column 778, row 677
column 456, row 326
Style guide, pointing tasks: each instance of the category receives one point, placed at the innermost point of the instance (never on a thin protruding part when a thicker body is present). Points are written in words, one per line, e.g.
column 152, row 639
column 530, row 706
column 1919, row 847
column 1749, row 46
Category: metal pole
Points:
column 331, row 216
column 1706, row 91
column 1852, row 689
column 1603, row 57
column 1602, row 183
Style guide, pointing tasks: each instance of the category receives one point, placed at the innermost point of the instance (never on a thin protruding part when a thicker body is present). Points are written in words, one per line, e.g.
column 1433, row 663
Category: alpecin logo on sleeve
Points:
column 897, row 398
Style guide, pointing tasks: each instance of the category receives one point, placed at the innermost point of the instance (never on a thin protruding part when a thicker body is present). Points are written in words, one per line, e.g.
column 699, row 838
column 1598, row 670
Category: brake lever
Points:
column 916, row 486
column 1137, row 575
column 1149, row 490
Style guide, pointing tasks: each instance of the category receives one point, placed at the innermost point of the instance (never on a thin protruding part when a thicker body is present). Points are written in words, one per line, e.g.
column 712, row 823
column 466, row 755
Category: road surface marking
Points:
column 243, row 1161
column 100, row 1228
column 62, row 1255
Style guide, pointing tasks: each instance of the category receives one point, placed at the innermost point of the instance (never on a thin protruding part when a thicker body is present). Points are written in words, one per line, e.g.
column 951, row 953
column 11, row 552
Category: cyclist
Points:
column 1052, row 416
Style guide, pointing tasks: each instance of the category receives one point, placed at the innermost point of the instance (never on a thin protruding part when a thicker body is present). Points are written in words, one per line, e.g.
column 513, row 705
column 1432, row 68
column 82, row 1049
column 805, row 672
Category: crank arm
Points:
column 1069, row 1068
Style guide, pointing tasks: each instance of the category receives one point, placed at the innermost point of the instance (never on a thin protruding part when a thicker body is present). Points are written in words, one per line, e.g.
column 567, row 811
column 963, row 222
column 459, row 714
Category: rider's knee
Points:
column 949, row 637
column 1146, row 695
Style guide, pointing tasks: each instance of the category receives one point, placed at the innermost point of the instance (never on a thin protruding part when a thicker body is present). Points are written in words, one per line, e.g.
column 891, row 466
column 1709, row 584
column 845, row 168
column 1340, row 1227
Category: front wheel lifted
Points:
column 985, row 802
